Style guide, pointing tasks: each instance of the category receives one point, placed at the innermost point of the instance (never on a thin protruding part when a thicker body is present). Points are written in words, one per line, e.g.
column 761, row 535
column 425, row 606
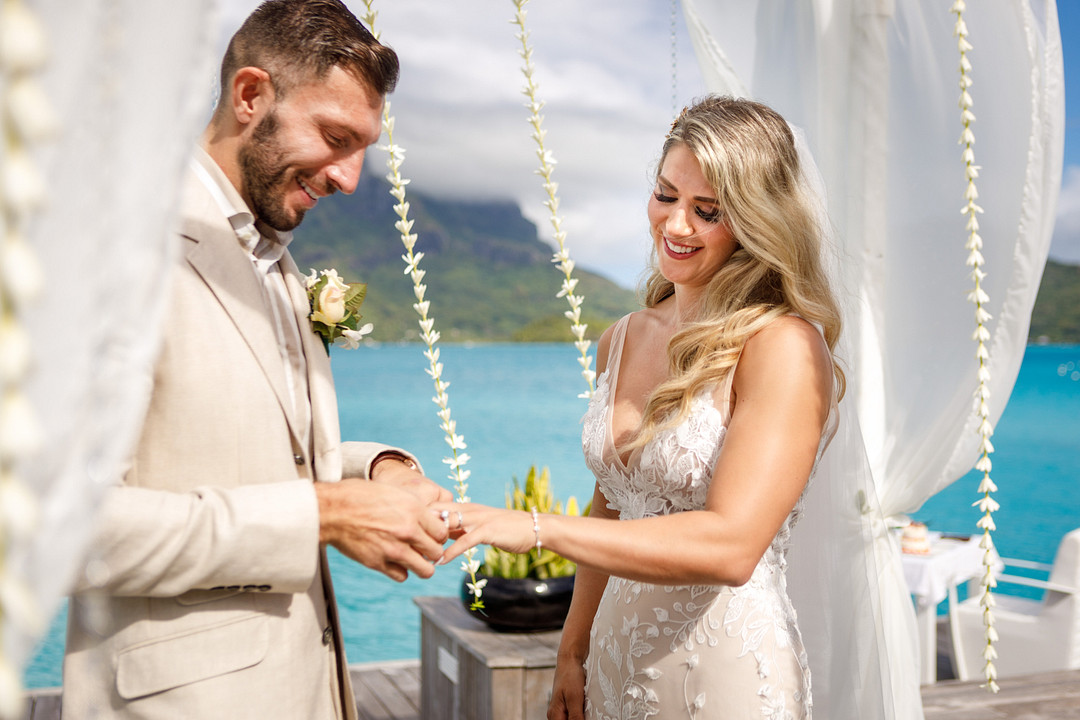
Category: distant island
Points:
column 1056, row 316
column 490, row 278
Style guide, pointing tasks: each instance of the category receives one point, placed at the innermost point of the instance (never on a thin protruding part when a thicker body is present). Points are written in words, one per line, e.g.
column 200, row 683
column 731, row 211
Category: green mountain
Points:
column 488, row 275
column 1056, row 315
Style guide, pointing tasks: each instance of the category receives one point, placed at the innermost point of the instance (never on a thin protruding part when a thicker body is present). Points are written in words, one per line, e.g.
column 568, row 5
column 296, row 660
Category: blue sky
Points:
column 607, row 80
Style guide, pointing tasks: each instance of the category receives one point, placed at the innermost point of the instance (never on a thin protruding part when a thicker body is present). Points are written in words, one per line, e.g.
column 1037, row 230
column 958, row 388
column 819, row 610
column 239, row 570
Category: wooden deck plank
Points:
column 1048, row 696
column 1051, row 696
column 47, row 707
column 392, row 704
column 368, row 705
column 42, row 705
column 383, row 690
column 406, row 678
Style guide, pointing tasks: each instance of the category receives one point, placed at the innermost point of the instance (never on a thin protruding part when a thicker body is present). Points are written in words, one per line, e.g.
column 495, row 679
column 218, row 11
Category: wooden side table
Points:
column 470, row 672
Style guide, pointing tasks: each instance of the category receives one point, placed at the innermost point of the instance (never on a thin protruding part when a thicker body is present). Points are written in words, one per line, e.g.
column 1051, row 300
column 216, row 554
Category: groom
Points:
column 207, row 593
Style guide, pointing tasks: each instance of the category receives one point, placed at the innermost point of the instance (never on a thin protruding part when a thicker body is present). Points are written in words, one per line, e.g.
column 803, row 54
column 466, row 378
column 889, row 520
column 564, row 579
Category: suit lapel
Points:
column 215, row 254
column 326, row 433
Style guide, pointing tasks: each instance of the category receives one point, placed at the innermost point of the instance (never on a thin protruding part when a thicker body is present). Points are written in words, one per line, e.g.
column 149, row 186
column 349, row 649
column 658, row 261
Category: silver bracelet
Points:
column 536, row 528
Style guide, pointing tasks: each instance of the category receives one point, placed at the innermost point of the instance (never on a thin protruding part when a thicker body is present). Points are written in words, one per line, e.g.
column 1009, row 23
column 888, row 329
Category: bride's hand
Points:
column 568, row 691
column 472, row 525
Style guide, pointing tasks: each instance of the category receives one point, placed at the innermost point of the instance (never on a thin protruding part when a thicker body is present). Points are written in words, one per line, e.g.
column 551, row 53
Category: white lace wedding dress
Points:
column 700, row 652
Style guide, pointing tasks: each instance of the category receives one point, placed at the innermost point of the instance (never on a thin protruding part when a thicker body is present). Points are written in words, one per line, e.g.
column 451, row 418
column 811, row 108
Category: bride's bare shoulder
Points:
column 788, row 347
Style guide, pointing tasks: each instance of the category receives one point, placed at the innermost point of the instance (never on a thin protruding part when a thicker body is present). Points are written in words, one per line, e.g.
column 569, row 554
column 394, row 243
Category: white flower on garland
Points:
column 29, row 122
column 404, row 225
column 562, row 260
column 986, row 504
column 458, row 458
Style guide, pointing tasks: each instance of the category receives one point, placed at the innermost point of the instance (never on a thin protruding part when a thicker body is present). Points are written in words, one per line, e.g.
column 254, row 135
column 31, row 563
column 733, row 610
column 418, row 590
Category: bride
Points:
column 712, row 408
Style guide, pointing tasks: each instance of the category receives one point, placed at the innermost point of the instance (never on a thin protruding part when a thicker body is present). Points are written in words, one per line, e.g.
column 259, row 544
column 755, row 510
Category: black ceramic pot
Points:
column 522, row 604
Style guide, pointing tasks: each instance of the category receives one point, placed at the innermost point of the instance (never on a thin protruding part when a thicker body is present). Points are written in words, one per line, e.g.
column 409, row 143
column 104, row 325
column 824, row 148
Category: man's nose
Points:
column 344, row 174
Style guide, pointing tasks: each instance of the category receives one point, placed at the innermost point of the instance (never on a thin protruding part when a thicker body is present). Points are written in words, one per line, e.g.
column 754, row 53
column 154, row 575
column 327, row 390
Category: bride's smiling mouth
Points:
column 676, row 250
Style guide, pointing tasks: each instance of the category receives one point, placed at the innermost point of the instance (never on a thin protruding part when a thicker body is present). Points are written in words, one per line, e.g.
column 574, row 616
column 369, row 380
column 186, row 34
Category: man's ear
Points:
column 252, row 94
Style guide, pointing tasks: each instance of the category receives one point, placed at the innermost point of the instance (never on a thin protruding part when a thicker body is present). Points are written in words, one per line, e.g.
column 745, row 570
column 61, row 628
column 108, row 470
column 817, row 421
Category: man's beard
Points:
column 264, row 174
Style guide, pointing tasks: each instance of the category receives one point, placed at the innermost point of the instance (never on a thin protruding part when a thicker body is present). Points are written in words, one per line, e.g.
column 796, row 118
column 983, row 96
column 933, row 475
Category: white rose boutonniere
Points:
column 335, row 309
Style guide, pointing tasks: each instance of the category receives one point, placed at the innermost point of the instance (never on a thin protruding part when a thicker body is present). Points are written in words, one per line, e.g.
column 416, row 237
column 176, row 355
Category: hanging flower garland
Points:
column 562, row 259
column 458, row 458
column 27, row 120
column 986, row 504
column 422, row 306
column 674, row 59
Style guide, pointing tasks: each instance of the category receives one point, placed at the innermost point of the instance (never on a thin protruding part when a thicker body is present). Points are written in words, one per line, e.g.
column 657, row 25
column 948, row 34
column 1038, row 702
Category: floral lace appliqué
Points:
column 660, row 651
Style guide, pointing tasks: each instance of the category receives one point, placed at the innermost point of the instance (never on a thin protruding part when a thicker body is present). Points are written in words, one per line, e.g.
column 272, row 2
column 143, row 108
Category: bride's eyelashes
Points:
column 709, row 216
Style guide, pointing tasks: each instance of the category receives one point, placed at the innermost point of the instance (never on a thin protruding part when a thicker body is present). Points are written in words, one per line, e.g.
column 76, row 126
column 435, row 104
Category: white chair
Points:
column 1034, row 635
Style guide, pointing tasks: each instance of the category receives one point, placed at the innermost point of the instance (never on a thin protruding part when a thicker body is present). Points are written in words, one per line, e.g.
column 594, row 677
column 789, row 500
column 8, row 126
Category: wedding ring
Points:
column 460, row 519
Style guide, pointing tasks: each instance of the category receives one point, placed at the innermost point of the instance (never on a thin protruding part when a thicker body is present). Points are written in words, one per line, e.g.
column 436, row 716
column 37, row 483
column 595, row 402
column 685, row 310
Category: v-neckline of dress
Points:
column 610, row 455
column 618, row 341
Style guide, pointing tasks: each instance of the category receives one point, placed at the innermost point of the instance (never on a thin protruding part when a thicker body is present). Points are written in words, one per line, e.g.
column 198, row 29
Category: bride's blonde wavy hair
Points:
column 747, row 154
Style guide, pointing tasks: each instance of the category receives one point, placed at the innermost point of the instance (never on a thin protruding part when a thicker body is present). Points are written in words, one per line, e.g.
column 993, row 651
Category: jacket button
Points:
column 298, row 458
column 327, row 635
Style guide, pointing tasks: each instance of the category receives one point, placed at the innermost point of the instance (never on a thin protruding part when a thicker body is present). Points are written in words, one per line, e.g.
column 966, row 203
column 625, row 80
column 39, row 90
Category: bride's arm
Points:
column 783, row 386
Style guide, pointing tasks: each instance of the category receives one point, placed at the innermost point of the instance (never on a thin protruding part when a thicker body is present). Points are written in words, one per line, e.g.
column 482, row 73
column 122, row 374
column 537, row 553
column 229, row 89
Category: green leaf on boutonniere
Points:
column 354, row 297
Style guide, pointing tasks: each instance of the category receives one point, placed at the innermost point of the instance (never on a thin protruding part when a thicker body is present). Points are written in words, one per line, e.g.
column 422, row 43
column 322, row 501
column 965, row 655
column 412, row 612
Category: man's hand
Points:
column 393, row 471
column 383, row 527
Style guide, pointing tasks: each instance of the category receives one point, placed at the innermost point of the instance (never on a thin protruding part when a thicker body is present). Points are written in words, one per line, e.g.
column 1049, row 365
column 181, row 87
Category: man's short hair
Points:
column 299, row 41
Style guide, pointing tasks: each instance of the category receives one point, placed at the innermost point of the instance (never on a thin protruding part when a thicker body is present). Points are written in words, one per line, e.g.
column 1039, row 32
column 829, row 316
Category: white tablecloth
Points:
column 949, row 563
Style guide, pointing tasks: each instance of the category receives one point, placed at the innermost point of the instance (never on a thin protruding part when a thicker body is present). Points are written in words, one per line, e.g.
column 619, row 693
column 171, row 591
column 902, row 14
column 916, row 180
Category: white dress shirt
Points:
column 265, row 247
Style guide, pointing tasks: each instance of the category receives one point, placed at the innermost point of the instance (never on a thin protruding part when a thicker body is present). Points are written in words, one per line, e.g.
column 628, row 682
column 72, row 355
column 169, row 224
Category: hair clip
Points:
column 677, row 119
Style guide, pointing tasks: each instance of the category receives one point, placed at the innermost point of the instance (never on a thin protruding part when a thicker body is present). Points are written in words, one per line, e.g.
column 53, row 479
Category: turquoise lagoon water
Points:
column 1036, row 462
column 517, row 406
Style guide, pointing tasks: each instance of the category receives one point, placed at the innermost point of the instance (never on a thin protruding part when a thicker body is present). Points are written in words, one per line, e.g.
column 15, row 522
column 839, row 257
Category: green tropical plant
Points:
column 538, row 565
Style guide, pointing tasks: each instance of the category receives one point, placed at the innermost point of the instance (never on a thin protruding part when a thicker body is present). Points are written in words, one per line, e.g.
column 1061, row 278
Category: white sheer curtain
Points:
column 130, row 81
column 873, row 83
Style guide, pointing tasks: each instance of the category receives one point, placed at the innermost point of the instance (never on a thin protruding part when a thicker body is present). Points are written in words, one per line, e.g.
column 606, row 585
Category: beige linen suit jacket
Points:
column 207, row 594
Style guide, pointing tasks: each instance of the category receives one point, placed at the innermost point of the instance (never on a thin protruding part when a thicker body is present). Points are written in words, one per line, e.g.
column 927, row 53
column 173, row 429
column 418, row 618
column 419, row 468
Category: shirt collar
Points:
column 265, row 244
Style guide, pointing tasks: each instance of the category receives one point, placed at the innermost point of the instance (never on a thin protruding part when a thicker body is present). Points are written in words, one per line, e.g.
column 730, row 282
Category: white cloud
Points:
column 604, row 71
column 1065, row 246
